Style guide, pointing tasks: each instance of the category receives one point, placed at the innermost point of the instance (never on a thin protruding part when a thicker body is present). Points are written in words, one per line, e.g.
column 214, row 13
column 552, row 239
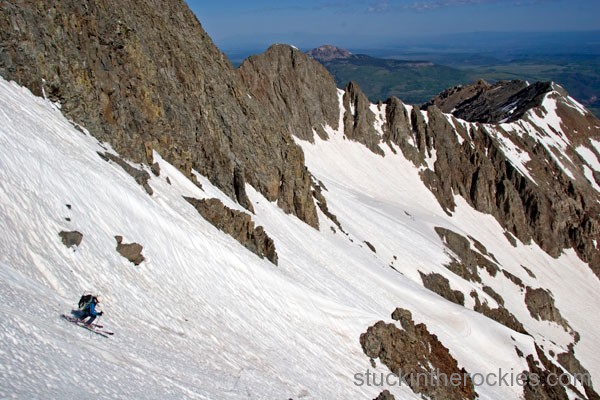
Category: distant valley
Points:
column 416, row 78
column 412, row 81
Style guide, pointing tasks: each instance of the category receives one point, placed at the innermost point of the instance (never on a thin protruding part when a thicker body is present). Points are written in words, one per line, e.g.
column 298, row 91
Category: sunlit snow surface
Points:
column 202, row 317
column 591, row 164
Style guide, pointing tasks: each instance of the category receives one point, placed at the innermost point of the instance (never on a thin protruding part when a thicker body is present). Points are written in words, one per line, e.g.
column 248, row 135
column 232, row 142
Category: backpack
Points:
column 85, row 300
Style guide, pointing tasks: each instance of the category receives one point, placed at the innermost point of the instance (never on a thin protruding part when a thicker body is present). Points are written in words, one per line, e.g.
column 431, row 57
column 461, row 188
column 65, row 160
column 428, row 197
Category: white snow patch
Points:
column 546, row 130
column 550, row 123
column 589, row 157
column 380, row 116
column 431, row 159
column 515, row 155
column 589, row 175
column 510, row 108
column 571, row 102
column 451, row 120
column 596, row 145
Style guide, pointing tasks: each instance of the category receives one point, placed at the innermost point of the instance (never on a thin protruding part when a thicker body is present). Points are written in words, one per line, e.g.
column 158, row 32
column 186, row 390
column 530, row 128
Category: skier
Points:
column 89, row 310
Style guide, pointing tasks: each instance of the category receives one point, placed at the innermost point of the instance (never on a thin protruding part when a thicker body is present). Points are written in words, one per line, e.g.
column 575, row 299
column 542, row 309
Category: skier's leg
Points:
column 89, row 322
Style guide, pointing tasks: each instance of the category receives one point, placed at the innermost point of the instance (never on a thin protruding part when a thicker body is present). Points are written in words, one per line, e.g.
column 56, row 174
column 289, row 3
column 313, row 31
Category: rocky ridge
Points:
column 151, row 78
column 504, row 166
column 296, row 89
column 504, row 101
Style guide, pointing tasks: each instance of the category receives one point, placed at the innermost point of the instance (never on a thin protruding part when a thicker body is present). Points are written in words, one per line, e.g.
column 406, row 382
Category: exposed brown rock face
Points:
column 402, row 128
column 500, row 314
column 540, row 304
column 467, row 266
column 541, row 385
column 322, row 203
column 370, row 246
column 514, row 279
column 440, row 285
column 141, row 177
column 469, row 260
column 385, row 395
column 481, row 102
column 415, row 353
column 555, row 211
column 155, row 168
column 238, row 225
column 359, row 120
column 143, row 74
column 239, row 186
column 493, row 294
column 569, row 361
column 71, row 239
column 298, row 89
column 131, row 251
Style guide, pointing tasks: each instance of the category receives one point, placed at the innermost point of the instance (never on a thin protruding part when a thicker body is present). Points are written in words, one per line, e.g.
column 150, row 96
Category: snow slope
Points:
column 202, row 317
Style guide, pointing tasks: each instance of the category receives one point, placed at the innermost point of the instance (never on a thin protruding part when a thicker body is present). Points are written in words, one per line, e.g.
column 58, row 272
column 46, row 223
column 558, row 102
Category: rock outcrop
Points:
column 541, row 383
column 359, row 121
column 499, row 314
column 141, row 177
column 322, row 203
column 440, row 285
column 143, row 74
column 418, row 356
column 298, row 90
column 71, row 238
column 465, row 260
column 569, row 362
column 545, row 198
column 504, row 101
column 131, row 251
column 540, row 304
column 385, row 395
column 238, row 225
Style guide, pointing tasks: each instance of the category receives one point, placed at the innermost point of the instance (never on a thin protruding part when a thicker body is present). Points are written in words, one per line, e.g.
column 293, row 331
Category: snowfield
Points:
column 202, row 317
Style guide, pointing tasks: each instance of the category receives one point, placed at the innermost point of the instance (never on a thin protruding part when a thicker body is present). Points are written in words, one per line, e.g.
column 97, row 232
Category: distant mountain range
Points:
column 409, row 77
column 413, row 81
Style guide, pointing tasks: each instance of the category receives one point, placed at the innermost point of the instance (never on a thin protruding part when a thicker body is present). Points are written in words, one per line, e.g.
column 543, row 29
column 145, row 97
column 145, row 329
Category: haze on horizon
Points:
column 240, row 24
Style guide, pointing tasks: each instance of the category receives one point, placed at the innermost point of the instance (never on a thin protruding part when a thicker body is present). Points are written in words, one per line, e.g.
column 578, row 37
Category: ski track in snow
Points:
column 203, row 318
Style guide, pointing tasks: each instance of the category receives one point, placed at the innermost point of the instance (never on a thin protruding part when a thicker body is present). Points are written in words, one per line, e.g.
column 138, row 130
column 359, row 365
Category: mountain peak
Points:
column 328, row 53
column 503, row 101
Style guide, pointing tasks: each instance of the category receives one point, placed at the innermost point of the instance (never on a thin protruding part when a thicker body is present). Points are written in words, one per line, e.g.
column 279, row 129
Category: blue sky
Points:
column 371, row 23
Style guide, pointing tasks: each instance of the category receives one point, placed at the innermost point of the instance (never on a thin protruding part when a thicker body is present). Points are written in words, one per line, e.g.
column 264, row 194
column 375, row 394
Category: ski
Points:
column 93, row 328
column 102, row 333
column 76, row 320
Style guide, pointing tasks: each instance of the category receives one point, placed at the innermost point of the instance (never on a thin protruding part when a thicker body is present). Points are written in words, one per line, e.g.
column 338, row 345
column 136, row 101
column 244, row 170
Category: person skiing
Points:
column 89, row 310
